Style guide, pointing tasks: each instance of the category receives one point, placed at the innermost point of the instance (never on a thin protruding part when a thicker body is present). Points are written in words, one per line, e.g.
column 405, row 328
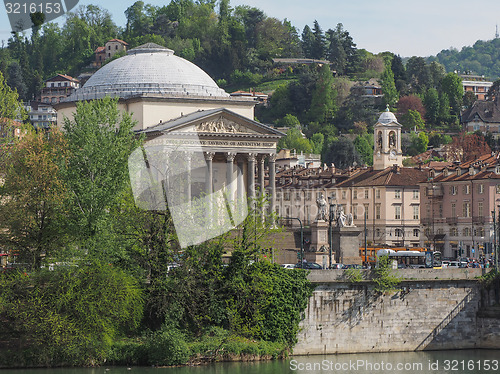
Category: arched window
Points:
column 392, row 139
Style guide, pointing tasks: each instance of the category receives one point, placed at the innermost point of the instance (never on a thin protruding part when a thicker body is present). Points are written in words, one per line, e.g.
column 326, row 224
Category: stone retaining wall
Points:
column 438, row 311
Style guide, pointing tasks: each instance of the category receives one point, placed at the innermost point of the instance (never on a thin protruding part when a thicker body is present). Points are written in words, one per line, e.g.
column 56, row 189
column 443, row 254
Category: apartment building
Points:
column 457, row 207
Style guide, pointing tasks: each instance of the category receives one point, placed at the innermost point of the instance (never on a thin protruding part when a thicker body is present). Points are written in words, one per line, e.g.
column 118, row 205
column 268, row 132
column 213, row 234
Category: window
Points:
column 367, row 209
column 416, row 232
column 116, row 47
column 397, row 194
column 440, row 210
column 297, row 196
column 287, row 209
column 480, row 188
column 377, row 193
column 480, row 208
column 377, row 211
column 399, row 232
column 415, row 194
column 397, row 212
column 355, row 211
column 498, row 188
column 453, row 231
column 466, row 189
column 366, row 193
column 286, row 196
column 109, row 47
column 453, row 210
column 453, row 190
column 416, row 210
column 334, row 195
column 466, row 210
column 355, row 194
column 343, row 195
column 467, row 231
column 308, row 195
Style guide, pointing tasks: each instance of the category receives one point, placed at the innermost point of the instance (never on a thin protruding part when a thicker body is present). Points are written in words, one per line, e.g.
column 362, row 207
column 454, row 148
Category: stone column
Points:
column 209, row 187
column 229, row 175
column 272, row 181
column 251, row 175
column 209, row 177
column 240, row 185
column 188, row 177
column 262, row 158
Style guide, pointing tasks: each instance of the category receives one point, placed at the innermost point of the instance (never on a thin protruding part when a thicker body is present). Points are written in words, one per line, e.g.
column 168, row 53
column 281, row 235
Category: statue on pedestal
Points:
column 321, row 203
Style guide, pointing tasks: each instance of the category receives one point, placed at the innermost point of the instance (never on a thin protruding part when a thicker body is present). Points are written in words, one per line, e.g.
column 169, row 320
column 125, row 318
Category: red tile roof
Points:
column 119, row 41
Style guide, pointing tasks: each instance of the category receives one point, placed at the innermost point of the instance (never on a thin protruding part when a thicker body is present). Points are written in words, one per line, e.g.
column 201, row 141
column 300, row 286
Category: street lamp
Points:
column 366, row 257
column 331, row 217
column 301, row 241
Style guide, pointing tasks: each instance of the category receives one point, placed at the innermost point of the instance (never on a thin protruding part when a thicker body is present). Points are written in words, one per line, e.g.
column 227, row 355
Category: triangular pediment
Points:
column 215, row 122
column 219, row 125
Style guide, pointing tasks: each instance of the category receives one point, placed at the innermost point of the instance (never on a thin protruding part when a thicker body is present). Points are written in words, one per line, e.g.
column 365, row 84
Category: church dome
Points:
column 152, row 70
column 387, row 117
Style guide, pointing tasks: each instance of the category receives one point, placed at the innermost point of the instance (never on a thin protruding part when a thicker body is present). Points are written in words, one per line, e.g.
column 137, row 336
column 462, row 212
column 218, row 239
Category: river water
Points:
column 436, row 362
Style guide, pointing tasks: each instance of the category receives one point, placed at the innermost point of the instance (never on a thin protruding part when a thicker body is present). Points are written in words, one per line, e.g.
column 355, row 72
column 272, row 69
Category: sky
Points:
column 408, row 28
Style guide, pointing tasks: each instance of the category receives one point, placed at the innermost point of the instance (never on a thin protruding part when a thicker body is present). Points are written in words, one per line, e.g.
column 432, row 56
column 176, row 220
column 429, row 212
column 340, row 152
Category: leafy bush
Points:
column 383, row 277
column 167, row 347
column 69, row 316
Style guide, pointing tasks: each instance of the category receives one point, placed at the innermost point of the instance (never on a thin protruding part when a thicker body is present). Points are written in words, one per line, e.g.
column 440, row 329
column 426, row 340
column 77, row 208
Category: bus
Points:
column 371, row 252
column 413, row 259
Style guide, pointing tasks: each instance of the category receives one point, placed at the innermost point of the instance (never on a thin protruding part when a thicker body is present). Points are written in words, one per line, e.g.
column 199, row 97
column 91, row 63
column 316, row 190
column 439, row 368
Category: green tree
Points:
column 364, row 146
column 418, row 143
column 16, row 79
column 412, row 120
column 34, row 196
column 452, row 86
column 100, row 140
column 318, row 44
column 400, row 78
column 389, row 88
column 307, row 42
column 323, row 106
column 342, row 153
column 10, row 107
column 431, row 103
column 69, row 316
column 419, row 74
column 294, row 139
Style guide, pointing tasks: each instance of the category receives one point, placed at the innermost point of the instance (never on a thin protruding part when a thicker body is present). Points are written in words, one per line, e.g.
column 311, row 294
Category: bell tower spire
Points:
column 387, row 141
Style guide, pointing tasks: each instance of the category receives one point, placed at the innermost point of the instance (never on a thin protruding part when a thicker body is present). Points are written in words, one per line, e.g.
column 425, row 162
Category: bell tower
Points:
column 387, row 141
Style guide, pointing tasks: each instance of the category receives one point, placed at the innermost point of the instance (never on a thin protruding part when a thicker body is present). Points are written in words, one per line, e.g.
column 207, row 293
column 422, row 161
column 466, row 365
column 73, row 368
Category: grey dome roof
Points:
column 148, row 69
column 387, row 117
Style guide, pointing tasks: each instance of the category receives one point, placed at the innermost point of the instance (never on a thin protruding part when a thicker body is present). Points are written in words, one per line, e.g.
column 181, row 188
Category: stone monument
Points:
column 320, row 246
column 346, row 239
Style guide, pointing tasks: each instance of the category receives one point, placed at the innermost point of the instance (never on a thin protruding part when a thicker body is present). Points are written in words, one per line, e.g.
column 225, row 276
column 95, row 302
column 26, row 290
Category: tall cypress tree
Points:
column 307, row 41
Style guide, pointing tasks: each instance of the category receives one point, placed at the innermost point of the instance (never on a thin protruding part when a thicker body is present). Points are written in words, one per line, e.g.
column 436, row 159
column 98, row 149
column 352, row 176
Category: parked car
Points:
column 308, row 266
column 288, row 266
column 352, row 266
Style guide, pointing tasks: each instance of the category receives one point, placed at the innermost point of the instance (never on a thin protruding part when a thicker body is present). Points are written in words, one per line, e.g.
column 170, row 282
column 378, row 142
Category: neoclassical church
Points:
column 202, row 145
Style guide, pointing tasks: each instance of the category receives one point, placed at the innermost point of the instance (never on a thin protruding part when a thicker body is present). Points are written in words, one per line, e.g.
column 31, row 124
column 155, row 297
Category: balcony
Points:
column 435, row 191
column 451, row 220
column 478, row 219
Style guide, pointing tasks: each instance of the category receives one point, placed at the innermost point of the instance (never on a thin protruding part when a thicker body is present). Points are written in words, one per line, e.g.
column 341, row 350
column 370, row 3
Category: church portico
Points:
column 203, row 157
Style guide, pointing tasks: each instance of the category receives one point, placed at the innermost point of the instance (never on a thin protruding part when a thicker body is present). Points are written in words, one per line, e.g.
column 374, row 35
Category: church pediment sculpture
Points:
column 222, row 125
